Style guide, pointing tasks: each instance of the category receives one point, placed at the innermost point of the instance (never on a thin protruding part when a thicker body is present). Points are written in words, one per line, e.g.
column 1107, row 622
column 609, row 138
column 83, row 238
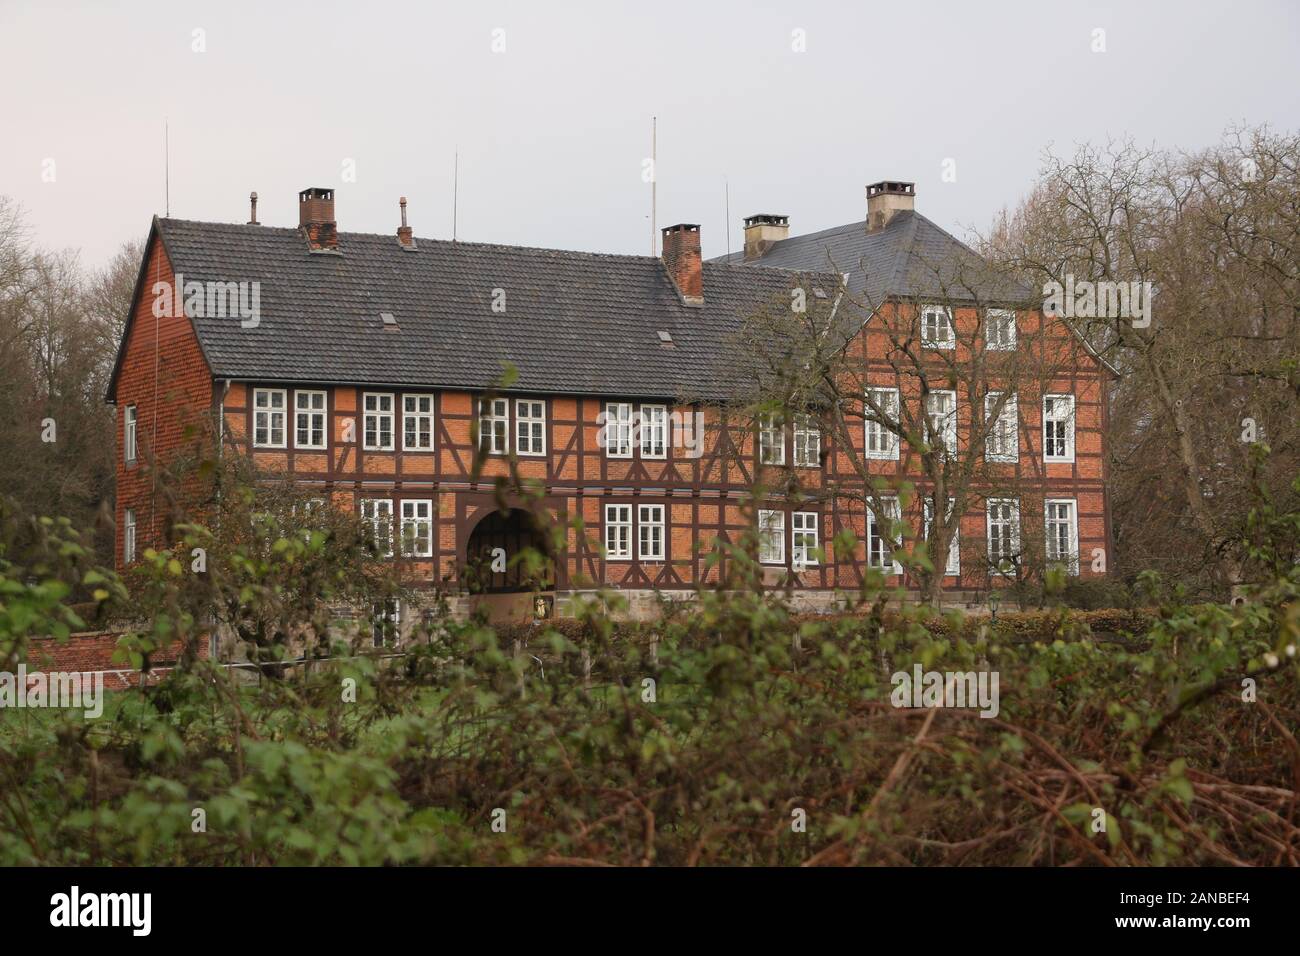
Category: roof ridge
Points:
column 263, row 230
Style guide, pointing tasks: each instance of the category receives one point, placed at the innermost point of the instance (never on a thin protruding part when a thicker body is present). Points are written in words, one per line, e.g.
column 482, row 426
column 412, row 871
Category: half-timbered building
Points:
column 370, row 370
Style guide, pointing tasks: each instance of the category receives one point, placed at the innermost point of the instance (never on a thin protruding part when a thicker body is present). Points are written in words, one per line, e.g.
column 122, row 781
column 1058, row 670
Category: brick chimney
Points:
column 404, row 235
column 885, row 199
column 682, row 259
column 316, row 219
column 762, row 231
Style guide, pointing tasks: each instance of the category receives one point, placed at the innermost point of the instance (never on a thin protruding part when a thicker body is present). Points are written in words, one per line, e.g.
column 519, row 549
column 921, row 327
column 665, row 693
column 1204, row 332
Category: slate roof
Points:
column 574, row 322
column 910, row 258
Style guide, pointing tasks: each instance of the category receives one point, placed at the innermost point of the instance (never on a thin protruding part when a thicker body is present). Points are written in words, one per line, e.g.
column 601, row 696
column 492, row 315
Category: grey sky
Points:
column 552, row 131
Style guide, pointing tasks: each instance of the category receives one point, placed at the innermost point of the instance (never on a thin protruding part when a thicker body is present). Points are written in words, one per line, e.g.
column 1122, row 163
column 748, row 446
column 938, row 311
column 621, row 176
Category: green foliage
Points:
column 694, row 739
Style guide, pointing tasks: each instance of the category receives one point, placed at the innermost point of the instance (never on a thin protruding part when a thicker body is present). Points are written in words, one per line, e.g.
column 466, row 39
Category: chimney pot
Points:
column 681, row 257
column 252, row 216
column 316, row 218
column 762, row 231
column 887, row 198
column 404, row 234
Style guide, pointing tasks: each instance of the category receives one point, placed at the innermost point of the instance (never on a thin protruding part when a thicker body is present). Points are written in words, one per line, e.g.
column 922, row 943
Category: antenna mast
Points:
column 167, row 169
column 455, row 193
column 654, row 183
column 727, row 185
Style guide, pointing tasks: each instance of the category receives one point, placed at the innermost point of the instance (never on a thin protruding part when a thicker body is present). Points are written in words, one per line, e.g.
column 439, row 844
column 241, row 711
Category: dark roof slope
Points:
column 910, row 258
column 574, row 322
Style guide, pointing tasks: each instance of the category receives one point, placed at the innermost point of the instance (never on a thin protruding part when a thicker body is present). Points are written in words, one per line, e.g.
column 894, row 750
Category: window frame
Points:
column 894, row 408
column 894, row 511
column 416, row 520
column 932, row 343
column 380, row 416
column 950, row 421
column 381, row 620
column 766, row 527
column 490, row 417
column 128, row 535
column 642, row 523
column 1069, row 421
column 809, row 428
column 1010, row 408
column 952, row 564
column 619, row 522
column 1000, row 314
column 418, row 416
column 311, row 414
column 270, row 411
column 1013, row 521
column 1071, row 562
column 620, row 429
column 811, row 521
column 130, row 434
column 531, row 405
column 373, row 520
column 650, row 429
column 770, row 423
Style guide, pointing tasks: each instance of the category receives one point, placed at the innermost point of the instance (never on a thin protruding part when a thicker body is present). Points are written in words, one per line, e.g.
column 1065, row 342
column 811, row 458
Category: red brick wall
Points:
column 163, row 373
column 93, row 651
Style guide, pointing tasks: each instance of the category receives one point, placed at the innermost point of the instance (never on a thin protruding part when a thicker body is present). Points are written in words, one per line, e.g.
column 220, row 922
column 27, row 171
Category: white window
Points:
column 650, row 532
column 807, row 442
column 936, row 328
column 953, row 564
column 1004, row 533
column 771, row 537
column 1002, row 442
column 493, row 425
column 385, row 621
column 882, row 441
column 306, row 511
column 1000, row 330
column 417, row 528
column 617, row 430
column 530, row 426
column 879, row 553
column 128, row 434
column 378, row 421
column 618, row 532
column 771, row 440
column 378, row 513
column 417, row 422
column 941, row 420
column 309, row 419
column 1061, row 525
column 803, row 538
column 269, row 416
column 654, row 431
column 128, row 536
column 1058, row 428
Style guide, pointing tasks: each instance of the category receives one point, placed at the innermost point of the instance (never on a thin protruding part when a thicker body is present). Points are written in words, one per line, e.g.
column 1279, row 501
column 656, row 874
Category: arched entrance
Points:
column 506, row 555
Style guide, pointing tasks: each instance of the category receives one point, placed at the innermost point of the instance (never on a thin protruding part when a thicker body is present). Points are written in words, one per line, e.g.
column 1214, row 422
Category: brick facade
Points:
column 163, row 374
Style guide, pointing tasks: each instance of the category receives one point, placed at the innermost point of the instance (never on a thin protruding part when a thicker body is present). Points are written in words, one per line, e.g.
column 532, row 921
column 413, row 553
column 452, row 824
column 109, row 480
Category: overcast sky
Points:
column 553, row 130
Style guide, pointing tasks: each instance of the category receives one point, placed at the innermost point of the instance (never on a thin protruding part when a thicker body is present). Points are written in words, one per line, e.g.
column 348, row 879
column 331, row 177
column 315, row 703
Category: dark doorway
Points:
column 493, row 562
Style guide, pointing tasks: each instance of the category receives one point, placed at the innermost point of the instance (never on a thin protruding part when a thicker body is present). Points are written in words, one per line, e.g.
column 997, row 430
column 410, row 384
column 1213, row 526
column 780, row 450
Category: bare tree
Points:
column 1210, row 370
column 926, row 395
